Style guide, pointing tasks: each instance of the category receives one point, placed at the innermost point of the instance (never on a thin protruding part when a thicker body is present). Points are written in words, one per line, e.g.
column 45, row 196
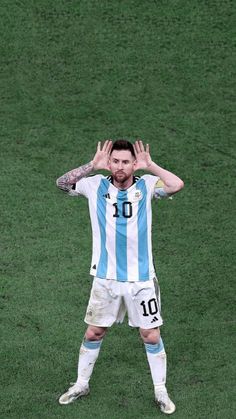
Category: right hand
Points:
column 102, row 156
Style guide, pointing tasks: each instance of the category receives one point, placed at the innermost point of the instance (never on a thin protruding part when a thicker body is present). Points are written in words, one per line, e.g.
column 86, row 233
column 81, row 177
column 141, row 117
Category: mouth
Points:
column 120, row 175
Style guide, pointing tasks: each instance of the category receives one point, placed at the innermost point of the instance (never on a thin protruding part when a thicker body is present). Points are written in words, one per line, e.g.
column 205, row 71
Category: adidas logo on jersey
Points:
column 154, row 319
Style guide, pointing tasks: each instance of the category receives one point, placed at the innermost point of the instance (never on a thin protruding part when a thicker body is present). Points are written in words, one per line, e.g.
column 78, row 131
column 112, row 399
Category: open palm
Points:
column 143, row 158
column 101, row 158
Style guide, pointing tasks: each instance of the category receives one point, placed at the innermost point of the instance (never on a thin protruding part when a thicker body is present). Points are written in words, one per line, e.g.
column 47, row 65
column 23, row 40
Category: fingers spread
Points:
column 136, row 147
column 107, row 146
column 110, row 144
column 104, row 147
column 141, row 145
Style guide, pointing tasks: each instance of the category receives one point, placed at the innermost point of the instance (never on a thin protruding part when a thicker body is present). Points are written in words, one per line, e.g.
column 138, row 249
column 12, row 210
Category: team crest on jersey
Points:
column 137, row 195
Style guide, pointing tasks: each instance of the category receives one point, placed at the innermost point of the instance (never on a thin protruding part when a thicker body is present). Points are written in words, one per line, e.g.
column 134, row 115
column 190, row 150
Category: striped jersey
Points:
column 121, row 226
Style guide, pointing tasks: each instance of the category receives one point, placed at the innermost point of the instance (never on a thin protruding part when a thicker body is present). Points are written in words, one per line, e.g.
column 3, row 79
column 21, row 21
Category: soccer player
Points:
column 122, row 263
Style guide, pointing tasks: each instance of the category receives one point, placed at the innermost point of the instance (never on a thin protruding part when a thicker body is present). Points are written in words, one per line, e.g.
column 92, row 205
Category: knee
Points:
column 150, row 335
column 94, row 333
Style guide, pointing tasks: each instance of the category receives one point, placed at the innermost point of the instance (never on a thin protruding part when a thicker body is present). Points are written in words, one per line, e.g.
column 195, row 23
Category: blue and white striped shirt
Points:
column 121, row 226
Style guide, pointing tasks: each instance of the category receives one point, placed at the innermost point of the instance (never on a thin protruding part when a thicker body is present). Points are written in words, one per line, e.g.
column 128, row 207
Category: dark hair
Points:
column 123, row 145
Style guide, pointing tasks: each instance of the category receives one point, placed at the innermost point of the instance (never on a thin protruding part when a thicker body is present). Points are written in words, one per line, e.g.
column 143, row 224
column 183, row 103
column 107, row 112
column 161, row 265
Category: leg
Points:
column 95, row 333
column 89, row 352
column 102, row 311
column 156, row 356
column 88, row 355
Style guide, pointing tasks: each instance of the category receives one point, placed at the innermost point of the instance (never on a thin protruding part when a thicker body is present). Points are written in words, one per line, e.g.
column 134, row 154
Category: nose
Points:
column 120, row 165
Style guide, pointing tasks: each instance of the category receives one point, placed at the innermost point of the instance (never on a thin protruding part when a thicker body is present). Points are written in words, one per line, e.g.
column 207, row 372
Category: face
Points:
column 122, row 165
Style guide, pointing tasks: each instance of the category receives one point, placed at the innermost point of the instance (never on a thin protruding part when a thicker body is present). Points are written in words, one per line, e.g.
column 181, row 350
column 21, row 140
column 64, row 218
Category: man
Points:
column 122, row 265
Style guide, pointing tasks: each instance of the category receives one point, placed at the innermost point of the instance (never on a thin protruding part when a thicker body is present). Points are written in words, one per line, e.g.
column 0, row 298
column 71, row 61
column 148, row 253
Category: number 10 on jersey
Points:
column 127, row 210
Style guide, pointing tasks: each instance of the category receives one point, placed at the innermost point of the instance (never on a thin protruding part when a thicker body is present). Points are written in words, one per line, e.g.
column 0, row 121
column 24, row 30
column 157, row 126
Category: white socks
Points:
column 89, row 351
column 156, row 356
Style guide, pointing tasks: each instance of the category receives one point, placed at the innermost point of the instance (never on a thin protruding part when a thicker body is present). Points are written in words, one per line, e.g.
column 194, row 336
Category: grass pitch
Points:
column 75, row 72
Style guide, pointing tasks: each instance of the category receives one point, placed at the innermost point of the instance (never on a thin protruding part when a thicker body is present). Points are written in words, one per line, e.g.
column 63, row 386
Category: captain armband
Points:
column 159, row 191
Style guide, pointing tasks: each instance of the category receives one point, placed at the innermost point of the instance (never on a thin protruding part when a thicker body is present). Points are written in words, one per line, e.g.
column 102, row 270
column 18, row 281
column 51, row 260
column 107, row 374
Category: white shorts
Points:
column 110, row 300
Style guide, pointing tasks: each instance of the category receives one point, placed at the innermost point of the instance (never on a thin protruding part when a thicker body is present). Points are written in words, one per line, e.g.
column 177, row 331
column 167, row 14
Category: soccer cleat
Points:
column 163, row 401
column 74, row 393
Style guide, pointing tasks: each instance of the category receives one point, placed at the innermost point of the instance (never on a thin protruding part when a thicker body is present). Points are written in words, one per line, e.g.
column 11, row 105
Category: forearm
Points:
column 172, row 183
column 66, row 181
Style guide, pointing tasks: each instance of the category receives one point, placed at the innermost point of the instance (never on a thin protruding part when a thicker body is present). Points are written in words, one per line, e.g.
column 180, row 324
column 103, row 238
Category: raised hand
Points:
column 143, row 158
column 101, row 158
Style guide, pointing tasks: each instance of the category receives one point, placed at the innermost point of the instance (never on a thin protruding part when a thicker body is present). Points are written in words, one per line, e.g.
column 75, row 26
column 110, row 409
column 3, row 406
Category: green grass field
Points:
column 75, row 72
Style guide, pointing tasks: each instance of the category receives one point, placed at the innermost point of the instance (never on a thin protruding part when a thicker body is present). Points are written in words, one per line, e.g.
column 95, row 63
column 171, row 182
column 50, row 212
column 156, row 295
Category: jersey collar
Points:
column 135, row 179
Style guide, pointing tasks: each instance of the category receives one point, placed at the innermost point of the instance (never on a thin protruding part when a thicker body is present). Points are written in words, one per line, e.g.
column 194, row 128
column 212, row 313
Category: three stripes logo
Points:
column 155, row 319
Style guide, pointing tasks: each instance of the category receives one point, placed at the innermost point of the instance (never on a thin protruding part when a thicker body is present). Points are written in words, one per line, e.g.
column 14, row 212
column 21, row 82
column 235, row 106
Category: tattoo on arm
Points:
column 66, row 181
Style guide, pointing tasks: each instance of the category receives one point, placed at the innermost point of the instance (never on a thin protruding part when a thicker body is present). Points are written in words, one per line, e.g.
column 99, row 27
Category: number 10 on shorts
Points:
column 150, row 307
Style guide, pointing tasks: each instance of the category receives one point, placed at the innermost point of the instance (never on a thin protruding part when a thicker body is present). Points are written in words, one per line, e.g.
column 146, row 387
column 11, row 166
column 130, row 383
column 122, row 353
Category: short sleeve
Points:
column 82, row 187
column 87, row 186
column 150, row 181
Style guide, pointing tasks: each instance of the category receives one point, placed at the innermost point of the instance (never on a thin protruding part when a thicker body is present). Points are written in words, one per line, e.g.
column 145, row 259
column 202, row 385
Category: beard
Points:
column 120, row 176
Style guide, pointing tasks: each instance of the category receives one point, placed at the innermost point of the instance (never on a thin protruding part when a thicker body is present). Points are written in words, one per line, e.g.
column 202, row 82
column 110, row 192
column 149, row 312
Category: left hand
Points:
column 143, row 158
